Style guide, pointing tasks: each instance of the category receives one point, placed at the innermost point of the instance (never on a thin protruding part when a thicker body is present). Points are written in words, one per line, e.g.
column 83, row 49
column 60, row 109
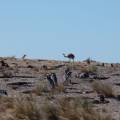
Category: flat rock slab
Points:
column 18, row 76
column 16, row 85
column 118, row 84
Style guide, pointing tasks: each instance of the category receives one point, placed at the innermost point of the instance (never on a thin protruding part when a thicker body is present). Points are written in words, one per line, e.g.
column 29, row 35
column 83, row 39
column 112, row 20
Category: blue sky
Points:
column 45, row 29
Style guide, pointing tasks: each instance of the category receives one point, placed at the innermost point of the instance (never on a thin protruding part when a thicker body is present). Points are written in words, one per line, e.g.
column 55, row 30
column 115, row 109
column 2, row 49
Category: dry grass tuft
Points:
column 41, row 88
column 72, row 108
column 78, row 109
column 51, row 111
column 89, row 69
column 58, row 89
column 27, row 109
column 62, row 109
column 103, row 88
column 5, row 103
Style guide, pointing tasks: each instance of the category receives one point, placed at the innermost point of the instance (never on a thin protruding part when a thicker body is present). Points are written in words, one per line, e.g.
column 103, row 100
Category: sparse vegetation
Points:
column 5, row 103
column 89, row 69
column 41, row 88
column 103, row 88
column 51, row 111
column 73, row 109
column 38, row 100
column 27, row 109
column 66, row 108
column 92, row 69
column 58, row 89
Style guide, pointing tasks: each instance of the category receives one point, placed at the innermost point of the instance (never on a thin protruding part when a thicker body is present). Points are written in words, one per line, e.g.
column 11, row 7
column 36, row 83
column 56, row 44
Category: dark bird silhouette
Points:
column 69, row 56
column 54, row 78
column 68, row 74
column 51, row 81
column 24, row 56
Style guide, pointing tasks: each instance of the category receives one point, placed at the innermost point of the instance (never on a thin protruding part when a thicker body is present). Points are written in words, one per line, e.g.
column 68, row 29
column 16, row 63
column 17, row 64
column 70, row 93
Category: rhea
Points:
column 70, row 56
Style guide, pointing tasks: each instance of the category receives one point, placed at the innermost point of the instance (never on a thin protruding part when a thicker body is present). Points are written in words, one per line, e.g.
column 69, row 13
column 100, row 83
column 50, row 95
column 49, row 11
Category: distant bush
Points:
column 90, row 69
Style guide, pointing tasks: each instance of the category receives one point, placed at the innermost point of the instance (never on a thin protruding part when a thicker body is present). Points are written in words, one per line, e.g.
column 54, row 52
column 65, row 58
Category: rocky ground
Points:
column 21, row 77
